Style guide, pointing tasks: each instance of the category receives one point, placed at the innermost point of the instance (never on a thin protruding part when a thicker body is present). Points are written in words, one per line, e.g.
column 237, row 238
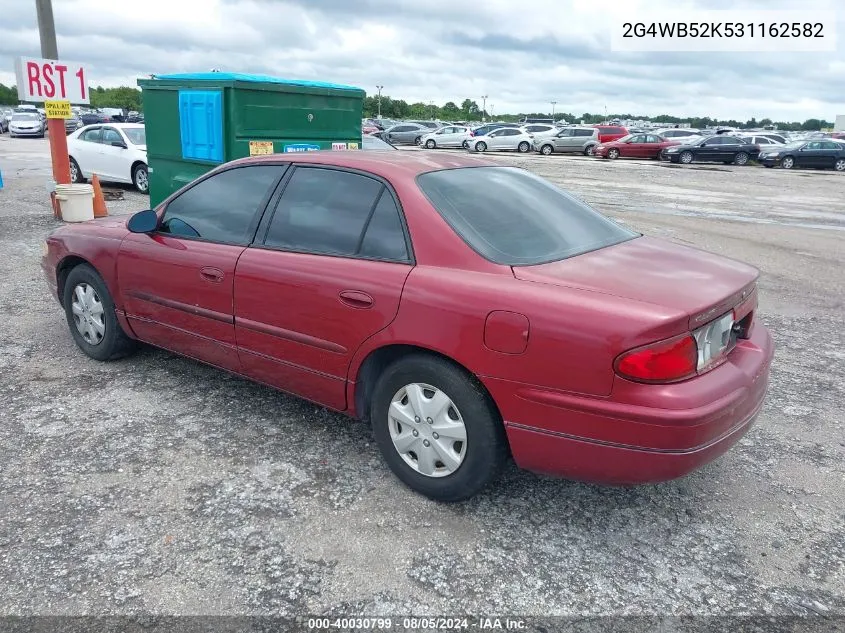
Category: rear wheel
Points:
column 613, row 153
column 788, row 162
column 839, row 165
column 741, row 159
column 523, row 147
column 141, row 179
column 90, row 314
column 590, row 150
column 437, row 429
column 418, row 140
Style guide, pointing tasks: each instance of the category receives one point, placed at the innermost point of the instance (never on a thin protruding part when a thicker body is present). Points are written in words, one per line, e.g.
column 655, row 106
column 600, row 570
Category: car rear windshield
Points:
column 512, row 217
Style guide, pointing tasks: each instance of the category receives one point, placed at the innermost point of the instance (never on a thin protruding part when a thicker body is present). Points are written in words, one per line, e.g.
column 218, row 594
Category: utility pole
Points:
column 55, row 127
column 431, row 112
column 483, row 108
column 554, row 103
column 491, row 112
column 379, row 100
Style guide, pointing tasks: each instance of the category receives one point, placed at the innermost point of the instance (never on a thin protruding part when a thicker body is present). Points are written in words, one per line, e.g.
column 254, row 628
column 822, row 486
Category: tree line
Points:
column 469, row 110
column 121, row 97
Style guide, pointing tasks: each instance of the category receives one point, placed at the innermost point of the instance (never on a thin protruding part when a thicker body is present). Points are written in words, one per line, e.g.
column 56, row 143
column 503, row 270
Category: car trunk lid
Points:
column 700, row 284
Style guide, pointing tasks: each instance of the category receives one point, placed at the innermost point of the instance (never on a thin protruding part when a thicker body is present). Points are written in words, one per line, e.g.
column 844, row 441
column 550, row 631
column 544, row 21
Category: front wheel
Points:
column 523, row 147
column 546, row 150
column 140, row 178
column 90, row 314
column 686, row 157
column 788, row 162
column 75, row 172
column 613, row 153
column 839, row 165
column 437, row 429
column 481, row 146
column 430, row 144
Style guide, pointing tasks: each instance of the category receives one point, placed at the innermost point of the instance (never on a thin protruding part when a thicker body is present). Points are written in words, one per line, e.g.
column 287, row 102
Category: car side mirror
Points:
column 120, row 144
column 143, row 222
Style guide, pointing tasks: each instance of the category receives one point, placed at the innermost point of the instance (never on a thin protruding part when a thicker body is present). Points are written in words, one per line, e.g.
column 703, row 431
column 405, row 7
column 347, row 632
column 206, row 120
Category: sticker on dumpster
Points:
column 352, row 146
column 338, row 145
column 57, row 109
column 260, row 148
column 301, row 147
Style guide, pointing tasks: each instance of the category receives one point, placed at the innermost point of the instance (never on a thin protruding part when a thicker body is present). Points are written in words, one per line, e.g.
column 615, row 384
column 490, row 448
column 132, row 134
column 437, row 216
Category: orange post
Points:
column 58, row 151
column 100, row 210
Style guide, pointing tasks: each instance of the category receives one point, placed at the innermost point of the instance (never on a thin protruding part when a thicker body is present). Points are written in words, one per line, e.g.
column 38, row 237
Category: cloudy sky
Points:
column 522, row 54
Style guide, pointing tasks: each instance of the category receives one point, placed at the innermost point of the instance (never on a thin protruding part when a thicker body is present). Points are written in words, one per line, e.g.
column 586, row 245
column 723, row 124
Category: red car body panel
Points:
column 633, row 150
column 542, row 339
column 608, row 133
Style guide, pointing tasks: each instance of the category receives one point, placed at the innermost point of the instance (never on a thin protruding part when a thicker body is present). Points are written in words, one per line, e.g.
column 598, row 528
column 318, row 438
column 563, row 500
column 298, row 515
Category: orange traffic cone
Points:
column 100, row 210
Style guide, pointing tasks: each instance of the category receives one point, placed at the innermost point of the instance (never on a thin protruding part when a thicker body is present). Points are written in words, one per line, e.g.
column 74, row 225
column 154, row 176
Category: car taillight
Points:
column 714, row 340
column 665, row 361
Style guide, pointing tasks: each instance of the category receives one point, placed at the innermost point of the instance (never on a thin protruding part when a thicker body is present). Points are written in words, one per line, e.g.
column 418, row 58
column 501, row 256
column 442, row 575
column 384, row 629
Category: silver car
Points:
column 407, row 133
column 502, row 139
column 581, row 140
column 449, row 136
column 26, row 124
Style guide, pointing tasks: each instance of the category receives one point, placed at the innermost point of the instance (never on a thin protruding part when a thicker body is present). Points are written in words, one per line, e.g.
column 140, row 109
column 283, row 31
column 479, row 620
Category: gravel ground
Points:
column 157, row 484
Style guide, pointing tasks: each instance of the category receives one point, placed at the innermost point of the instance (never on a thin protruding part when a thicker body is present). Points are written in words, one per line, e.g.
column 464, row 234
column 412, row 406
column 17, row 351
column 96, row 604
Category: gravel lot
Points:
column 157, row 484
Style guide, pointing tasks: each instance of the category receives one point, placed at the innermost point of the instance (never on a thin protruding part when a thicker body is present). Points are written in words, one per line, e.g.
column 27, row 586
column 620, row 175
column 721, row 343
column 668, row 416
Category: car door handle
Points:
column 214, row 275
column 356, row 299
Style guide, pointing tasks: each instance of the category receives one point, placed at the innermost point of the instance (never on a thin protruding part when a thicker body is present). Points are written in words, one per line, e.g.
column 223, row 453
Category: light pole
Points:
column 431, row 105
column 554, row 103
column 379, row 100
column 483, row 108
column 491, row 112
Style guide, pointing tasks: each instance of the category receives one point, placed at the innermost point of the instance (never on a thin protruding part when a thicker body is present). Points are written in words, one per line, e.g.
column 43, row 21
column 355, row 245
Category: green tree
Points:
column 8, row 95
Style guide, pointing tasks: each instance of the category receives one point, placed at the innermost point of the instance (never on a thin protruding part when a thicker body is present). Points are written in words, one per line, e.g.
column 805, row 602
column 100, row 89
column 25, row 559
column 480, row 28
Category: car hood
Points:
column 653, row 271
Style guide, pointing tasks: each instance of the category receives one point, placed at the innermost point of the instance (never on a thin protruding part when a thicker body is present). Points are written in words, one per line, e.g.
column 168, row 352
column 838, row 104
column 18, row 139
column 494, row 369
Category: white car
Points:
column 504, row 138
column 680, row 135
column 540, row 130
column 116, row 152
column 449, row 136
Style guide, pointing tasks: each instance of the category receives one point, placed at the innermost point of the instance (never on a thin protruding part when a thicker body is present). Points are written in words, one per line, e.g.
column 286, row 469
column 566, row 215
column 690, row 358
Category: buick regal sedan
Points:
column 468, row 311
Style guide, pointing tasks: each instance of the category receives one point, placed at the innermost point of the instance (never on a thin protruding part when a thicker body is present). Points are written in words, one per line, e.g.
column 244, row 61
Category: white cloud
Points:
column 522, row 55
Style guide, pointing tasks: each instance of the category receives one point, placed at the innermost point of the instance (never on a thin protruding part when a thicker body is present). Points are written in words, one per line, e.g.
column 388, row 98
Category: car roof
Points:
column 386, row 164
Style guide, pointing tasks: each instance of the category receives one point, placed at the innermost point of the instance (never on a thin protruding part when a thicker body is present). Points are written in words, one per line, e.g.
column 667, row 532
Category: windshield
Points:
column 24, row 116
column 136, row 135
column 512, row 217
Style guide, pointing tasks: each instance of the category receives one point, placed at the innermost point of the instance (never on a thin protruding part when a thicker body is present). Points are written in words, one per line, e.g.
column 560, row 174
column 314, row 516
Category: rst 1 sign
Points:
column 46, row 79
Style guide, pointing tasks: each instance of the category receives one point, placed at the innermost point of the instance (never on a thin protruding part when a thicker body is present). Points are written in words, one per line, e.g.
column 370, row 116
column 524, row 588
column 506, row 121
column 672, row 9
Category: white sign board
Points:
column 46, row 79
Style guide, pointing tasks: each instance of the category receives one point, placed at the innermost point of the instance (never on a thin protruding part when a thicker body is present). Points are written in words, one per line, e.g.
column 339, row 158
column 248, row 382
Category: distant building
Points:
column 839, row 124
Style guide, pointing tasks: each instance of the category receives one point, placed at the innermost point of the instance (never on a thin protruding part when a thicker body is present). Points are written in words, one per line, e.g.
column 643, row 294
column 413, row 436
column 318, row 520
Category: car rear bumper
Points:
column 640, row 433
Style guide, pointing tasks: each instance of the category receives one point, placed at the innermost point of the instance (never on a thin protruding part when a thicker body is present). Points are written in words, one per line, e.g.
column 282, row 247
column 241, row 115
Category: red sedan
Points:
column 634, row 146
column 467, row 310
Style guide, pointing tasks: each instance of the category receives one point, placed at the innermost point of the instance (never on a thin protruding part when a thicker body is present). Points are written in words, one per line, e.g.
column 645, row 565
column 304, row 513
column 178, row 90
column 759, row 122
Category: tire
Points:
column 787, row 162
column 839, row 165
column 686, row 158
column 523, row 148
column 484, row 450
column 465, row 144
column 75, row 172
column 741, row 159
column 767, row 166
column 418, row 140
column 140, row 178
column 590, row 150
column 613, row 153
column 546, row 150
column 430, row 144
column 103, row 339
column 481, row 146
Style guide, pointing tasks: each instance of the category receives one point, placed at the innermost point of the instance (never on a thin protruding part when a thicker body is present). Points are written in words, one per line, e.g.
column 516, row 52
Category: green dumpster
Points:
column 195, row 121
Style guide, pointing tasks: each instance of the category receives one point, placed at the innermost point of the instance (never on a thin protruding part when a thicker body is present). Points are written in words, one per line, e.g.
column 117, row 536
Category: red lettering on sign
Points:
column 81, row 75
column 33, row 73
column 49, row 86
column 61, row 70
